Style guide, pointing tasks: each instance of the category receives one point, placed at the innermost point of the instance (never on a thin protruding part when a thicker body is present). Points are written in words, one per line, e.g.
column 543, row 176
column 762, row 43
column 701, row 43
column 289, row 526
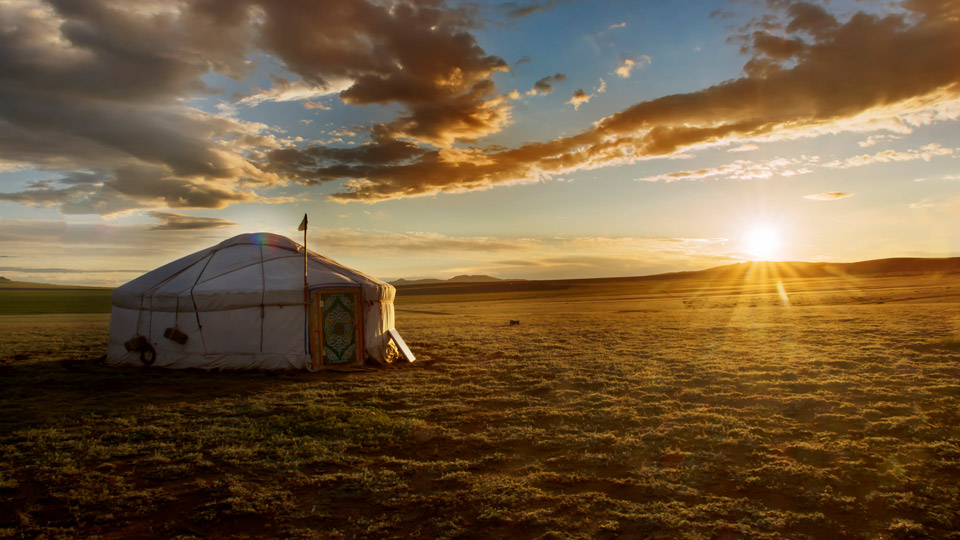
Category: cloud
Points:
column 593, row 256
column 69, row 100
column 616, row 26
column 804, row 164
column 742, row 170
column 579, row 98
column 545, row 85
column 628, row 64
column 925, row 153
column 515, row 10
column 419, row 56
column 918, row 205
column 361, row 242
column 129, row 188
column 808, row 73
column 603, row 86
column 10, row 167
column 97, row 86
column 285, row 90
column 744, row 148
column 315, row 105
column 71, row 249
column 873, row 140
column 828, row 196
column 610, row 256
column 541, row 257
column 172, row 221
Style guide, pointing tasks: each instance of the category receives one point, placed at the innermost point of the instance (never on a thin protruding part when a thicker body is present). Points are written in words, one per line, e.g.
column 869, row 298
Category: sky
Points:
column 540, row 139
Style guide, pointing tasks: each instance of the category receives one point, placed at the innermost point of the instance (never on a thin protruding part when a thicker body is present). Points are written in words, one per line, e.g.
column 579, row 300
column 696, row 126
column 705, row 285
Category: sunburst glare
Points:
column 763, row 243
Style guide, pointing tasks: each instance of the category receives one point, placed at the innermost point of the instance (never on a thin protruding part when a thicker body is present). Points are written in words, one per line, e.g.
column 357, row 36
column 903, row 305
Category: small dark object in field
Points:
column 175, row 335
column 514, row 322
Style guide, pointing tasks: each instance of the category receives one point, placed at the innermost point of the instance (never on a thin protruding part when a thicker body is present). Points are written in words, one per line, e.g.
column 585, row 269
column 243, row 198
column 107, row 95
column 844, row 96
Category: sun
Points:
column 763, row 242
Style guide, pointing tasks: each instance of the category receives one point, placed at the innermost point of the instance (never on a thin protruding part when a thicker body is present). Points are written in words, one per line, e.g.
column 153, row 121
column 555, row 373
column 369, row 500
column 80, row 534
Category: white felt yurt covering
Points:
column 241, row 306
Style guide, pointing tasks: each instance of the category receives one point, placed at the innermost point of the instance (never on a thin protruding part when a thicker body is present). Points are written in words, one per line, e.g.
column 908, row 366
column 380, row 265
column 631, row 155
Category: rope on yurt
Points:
column 140, row 314
column 196, row 310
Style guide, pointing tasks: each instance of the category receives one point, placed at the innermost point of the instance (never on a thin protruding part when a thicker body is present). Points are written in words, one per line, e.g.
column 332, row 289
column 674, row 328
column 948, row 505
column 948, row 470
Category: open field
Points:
column 23, row 298
column 816, row 408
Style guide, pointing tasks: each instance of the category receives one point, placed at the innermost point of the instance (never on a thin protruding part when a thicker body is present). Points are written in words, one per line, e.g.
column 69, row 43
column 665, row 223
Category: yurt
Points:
column 243, row 304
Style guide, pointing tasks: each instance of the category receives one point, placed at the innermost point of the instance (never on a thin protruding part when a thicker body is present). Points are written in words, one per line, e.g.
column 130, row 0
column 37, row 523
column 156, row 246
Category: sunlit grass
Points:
column 692, row 411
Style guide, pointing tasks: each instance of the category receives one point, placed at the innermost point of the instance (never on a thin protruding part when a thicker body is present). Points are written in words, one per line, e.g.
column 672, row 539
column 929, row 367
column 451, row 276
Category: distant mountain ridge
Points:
column 464, row 278
column 737, row 272
column 786, row 269
column 896, row 265
column 8, row 284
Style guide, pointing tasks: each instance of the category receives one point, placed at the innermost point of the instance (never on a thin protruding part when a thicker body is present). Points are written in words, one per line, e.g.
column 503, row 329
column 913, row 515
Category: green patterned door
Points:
column 340, row 328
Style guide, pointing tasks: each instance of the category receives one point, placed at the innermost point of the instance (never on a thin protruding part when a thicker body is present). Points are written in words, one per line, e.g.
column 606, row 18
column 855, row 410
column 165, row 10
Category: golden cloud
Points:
column 816, row 74
column 828, row 196
column 579, row 98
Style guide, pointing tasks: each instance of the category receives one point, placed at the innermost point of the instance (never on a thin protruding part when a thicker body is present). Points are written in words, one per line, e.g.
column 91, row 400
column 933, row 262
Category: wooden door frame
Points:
column 316, row 327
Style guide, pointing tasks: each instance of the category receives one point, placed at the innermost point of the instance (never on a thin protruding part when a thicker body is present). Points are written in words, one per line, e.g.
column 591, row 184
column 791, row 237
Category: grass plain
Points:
column 770, row 407
column 24, row 298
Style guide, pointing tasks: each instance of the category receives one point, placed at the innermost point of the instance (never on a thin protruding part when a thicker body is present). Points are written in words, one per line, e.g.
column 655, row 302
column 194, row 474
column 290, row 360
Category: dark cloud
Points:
column 101, row 86
column 418, row 55
column 172, row 221
column 545, row 85
column 516, row 10
column 810, row 71
column 104, row 87
column 579, row 98
column 127, row 188
column 75, row 194
column 98, row 86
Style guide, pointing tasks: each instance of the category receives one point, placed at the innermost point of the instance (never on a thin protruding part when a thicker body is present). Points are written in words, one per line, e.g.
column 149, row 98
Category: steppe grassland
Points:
column 710, row 411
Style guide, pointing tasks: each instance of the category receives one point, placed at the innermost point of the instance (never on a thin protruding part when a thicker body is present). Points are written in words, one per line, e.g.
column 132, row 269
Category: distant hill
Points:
column 894, row 266
column 745, row 272
column 407, row 282
column 8, row 284
column 26, row 298
column 472, row 279
column 456, row 279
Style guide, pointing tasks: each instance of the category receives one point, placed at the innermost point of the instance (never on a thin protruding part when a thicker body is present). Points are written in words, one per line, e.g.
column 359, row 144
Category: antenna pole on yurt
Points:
column 306, row 288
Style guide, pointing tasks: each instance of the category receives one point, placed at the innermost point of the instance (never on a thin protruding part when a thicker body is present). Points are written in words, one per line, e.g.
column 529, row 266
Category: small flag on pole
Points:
column 303, row 224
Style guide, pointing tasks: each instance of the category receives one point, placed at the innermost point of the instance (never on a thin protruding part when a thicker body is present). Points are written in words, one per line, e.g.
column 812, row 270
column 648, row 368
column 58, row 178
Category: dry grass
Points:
column 715, row 413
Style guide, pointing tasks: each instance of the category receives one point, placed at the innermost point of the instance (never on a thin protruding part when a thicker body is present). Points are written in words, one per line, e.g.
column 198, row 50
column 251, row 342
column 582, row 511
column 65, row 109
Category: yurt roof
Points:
column 248, row 269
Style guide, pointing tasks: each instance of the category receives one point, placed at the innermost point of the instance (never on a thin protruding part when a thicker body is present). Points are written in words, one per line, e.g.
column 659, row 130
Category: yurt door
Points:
column 336, row 328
